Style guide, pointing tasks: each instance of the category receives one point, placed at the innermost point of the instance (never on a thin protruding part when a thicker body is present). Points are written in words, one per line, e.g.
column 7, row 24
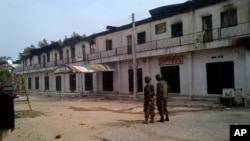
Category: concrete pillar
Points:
column 190, row 74
column 248, row 72
column 118, row 77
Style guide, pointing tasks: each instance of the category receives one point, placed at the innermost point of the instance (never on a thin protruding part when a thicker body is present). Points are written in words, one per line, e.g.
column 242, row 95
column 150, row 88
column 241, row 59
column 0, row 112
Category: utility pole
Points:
column 134, row 57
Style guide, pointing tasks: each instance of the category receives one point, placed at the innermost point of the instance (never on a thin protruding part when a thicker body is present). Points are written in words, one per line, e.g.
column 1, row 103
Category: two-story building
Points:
column 200, row 47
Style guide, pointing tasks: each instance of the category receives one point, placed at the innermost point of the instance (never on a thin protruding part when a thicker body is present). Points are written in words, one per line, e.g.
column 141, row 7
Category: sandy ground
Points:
column 72, row 119
column 112, row 120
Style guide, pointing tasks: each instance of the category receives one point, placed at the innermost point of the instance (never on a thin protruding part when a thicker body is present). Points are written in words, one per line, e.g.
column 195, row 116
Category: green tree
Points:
column 74, row 34
column 43, row 43
column 5, row 58
column 4, row 74
column 28, row 49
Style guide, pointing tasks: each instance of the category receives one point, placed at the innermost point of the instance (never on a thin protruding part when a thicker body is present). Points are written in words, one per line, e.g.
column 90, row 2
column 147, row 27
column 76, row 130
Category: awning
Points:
column 99, row 67
column 91, row 68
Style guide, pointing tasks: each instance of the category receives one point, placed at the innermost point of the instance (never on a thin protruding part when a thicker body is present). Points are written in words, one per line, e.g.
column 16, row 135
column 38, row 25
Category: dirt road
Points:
column 113, row 120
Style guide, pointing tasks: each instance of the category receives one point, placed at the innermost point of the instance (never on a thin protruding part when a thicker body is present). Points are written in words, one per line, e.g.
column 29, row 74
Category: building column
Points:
column 190, row 75
column 248, row 73
column 118, row 77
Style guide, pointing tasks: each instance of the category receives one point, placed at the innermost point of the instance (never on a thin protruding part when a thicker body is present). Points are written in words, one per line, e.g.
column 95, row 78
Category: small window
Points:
column 141, row 38
column 229, row 18
column 176, row 30
column 108, row 44
column 160, row 28
column 46, row 82
column 37, row 83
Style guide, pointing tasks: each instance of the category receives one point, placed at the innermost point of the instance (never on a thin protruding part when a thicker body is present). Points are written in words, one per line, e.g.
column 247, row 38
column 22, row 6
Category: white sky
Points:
column 26, row 22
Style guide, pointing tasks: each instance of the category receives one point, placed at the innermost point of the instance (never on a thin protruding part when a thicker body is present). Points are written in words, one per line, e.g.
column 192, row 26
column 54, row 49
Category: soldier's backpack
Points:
column 165, row 87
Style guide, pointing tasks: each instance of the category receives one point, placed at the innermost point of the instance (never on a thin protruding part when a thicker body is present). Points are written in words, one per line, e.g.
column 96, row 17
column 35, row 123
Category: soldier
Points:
column 161, row 97
column 149, row 107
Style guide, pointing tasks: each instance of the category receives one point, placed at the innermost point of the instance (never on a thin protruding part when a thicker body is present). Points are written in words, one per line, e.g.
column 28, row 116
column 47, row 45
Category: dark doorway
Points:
column 171, row 74
column 88, row 81
column 219, row 75
column 131, row 80
column 58, row 83
column 72, row 82
column 107, row 81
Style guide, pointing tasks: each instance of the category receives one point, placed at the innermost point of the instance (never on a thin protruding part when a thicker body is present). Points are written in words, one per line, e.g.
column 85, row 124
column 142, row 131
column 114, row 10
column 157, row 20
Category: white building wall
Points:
column 201, row 58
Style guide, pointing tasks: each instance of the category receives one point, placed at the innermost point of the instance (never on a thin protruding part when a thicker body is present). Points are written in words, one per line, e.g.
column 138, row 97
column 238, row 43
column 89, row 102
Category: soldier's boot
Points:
column 162, row 119
column 152, row 119
column 146, row 121
column 166, row 119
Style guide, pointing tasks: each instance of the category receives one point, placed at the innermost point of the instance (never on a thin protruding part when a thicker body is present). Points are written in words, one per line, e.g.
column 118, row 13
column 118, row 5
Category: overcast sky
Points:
column 26, row 22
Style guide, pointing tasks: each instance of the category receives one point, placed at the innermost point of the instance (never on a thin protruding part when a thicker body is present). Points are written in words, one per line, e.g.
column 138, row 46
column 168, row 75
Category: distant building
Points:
column 199, row 47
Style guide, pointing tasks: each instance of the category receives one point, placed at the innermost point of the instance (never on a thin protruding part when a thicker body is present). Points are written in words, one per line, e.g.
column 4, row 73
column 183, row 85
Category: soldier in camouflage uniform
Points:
column 161, row 97
column 149, row 107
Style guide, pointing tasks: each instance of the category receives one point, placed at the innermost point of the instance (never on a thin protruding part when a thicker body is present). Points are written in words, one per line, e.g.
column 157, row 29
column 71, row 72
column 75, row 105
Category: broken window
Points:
column 92, row 47
column 67, row 54
column 48, row 57
column 61, row 54
column 83, row 53
column 108, row 44
column 207, row 28
column 129, row 44
column 229, row 18
column 55, row 59
column 30, row 61
column 176, row 30
column 44, row 61
column 160, row 28
column 141, row 38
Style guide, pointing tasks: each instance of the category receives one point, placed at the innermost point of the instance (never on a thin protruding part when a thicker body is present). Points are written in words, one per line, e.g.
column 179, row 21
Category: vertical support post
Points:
column 134, row 58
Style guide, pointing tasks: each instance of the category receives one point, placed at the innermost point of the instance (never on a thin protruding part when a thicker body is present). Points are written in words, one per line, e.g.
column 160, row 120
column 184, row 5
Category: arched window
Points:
column 83, row 53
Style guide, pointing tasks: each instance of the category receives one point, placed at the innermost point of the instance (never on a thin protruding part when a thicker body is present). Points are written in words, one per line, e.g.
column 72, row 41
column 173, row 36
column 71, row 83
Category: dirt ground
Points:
column 74, row 119
column 71, row 119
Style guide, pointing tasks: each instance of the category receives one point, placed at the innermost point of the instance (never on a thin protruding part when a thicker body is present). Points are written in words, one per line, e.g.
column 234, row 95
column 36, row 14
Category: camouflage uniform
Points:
column 149, row 107
column 162, row 96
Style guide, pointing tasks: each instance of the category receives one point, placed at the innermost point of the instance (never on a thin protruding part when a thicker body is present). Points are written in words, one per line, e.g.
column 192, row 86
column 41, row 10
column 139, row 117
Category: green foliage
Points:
column 43, row 43
column 4, row 74
column 5, row 58
column 28, row 49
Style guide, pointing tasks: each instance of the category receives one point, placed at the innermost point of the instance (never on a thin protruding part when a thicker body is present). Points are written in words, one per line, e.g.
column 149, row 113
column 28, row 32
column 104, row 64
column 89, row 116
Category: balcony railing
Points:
column 188, row 39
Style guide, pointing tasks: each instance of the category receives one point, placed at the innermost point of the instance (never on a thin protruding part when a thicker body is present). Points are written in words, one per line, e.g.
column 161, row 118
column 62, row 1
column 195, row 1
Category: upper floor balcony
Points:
column 188, row 42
